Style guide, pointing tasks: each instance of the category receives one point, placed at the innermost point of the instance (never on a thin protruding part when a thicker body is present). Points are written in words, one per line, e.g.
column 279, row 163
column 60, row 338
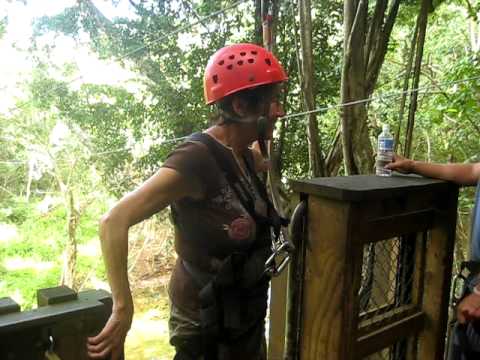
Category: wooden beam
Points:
column 389, row 335
column 48, row 315
column 387, row 315
column 392, row 226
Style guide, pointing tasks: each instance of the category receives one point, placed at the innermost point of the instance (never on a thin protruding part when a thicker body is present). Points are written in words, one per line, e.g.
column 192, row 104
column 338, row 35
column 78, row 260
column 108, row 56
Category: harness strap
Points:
column 225, row 304
column 234, row 296
column 272, row 219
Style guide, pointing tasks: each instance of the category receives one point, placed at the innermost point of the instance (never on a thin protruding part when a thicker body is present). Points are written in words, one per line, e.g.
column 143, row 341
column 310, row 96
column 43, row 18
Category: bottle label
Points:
column 385, row 144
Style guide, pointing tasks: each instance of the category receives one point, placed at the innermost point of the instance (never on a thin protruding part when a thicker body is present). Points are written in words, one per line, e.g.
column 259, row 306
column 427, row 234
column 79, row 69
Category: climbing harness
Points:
column 464, row 341
column 233, row 299
column 281, row 248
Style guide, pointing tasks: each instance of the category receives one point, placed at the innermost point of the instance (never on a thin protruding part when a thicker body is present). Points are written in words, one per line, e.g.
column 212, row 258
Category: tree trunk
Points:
column 29, row 181
column 422, row 29
column 406, row 82
column 70, row 253
column 357, row 150
column 316, row 161
column 365, row 46
column 258, row 22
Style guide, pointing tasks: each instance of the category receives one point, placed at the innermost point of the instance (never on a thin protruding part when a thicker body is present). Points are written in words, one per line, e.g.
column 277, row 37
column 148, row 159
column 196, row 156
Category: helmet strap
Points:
column 262, row 132
column 227, row 117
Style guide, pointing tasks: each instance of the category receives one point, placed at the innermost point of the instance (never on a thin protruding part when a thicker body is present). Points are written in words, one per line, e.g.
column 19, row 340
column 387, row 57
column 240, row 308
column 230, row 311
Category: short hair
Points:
column 254, row 98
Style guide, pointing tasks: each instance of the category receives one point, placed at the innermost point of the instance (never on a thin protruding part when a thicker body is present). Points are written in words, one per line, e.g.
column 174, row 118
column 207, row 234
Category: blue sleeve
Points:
column 475, row 239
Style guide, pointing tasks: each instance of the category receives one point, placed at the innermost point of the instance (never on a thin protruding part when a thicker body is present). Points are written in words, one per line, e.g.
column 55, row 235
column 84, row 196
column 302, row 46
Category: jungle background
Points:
column 109, row 87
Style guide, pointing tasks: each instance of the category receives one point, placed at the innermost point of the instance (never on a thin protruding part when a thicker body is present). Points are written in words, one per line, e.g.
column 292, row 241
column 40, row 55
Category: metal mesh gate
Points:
column 389, row 270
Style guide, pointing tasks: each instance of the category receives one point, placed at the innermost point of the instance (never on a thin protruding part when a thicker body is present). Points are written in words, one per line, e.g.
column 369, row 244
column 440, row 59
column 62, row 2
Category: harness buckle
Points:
column 281, row 252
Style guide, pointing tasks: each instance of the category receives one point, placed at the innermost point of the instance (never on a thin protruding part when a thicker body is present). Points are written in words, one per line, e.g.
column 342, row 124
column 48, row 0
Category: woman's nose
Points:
column 276, row 110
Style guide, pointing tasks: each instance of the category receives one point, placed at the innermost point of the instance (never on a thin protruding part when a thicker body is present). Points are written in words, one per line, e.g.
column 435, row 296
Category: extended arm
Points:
column 155, row 194
column 462, row 174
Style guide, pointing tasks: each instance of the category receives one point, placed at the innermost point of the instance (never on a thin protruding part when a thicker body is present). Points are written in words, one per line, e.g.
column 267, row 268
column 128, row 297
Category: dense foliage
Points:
column 72, row 147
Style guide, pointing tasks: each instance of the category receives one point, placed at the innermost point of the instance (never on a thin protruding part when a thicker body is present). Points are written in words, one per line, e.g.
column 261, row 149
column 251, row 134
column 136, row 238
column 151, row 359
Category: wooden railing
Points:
column 60, row 324
column 377, row 267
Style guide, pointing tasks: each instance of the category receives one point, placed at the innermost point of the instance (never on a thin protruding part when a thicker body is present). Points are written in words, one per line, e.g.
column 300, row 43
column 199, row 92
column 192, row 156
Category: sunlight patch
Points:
column 18, row 263
column 17, row 297
column 99, row 284
column 91, row 248
column 8, row 232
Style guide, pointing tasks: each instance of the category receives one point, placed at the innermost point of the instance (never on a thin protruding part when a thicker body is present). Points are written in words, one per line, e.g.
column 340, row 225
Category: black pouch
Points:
column 464, row 342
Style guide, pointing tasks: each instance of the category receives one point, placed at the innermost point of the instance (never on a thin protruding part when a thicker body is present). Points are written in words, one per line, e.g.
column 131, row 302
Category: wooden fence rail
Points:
column 61, row 323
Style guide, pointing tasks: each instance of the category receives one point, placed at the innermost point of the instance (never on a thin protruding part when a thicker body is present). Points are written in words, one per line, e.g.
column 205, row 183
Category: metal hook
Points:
column 51, row 342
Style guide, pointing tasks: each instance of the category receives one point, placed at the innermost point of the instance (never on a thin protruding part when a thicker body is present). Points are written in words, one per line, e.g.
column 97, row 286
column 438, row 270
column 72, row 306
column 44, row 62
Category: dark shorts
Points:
column 186, row 337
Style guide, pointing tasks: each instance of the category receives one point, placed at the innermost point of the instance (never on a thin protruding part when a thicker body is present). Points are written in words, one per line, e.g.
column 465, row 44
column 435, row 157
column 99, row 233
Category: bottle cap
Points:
column 385, row 128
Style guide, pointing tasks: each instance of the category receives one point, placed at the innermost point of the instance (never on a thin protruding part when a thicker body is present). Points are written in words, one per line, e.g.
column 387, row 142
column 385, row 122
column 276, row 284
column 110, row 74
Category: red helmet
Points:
column 239, row 67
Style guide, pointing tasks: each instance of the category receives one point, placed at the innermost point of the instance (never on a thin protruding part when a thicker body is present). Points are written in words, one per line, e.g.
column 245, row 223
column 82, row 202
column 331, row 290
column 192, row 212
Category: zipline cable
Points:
column 381, row 97
column 422, row 90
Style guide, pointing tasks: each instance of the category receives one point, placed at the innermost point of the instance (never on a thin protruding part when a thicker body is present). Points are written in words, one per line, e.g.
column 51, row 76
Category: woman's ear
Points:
column 239, row 106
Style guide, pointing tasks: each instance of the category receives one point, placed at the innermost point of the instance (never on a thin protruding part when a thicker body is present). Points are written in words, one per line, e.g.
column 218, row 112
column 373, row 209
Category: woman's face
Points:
column 270, row 109
column 275, row 111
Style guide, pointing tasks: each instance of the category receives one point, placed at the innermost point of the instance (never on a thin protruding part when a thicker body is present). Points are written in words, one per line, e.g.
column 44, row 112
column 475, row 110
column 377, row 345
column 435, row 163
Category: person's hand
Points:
column 401, row 164
column 469, row 309
column 112, row 337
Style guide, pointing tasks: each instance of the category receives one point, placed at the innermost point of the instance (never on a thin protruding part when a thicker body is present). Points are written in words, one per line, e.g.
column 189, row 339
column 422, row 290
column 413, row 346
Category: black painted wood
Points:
column 367, row 187
column 7, row 305
column 55, row 295
column 49, row 315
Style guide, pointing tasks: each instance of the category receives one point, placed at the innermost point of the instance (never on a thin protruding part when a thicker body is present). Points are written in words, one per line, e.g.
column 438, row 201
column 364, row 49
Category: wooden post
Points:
column 278, row 306
column 330, row 286
column 7, row 306
column 438, row 273
column 409, row 289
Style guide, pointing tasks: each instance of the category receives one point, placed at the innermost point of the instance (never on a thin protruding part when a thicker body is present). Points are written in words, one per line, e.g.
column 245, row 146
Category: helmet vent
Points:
column 230, row 67
column 240, row 62
column 221, row 62
column 251, row 61
column 231, row 57
column 215, row 78
column 243, row 53
column 253, row 52
column 269, row 63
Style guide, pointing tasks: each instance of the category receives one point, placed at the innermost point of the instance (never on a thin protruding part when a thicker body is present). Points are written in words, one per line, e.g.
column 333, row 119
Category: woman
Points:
column 222, row 216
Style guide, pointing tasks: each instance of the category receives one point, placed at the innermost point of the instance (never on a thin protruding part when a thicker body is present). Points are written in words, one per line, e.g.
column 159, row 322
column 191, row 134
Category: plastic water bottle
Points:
column 384, row 151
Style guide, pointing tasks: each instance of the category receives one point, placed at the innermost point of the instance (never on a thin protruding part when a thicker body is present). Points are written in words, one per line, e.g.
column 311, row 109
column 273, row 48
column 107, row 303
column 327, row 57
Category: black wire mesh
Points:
column 388, row 273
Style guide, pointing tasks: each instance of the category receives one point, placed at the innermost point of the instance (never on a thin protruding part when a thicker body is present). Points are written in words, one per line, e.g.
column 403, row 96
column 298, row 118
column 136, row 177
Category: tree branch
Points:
column 375, row 28
column 376, row 61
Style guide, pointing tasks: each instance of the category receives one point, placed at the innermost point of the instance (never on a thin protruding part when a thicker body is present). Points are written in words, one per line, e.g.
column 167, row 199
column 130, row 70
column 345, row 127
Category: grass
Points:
column 148, row 337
